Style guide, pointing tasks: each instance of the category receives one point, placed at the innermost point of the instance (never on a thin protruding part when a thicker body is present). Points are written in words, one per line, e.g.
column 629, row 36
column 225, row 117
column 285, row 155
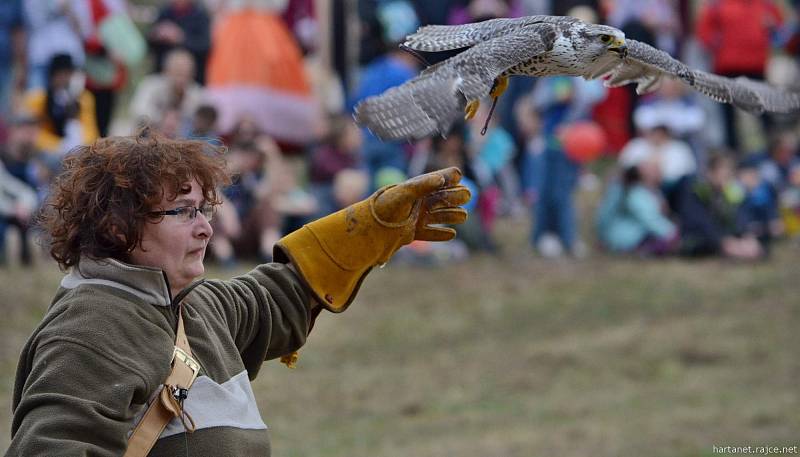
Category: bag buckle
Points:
column 181, row 355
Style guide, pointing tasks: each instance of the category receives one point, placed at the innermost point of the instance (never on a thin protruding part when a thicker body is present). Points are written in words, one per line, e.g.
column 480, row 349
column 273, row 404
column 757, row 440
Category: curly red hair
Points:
column 99, row 204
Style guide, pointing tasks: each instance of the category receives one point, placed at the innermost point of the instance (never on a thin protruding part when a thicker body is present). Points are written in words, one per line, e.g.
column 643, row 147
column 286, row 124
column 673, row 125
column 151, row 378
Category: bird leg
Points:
column 471, row 109
column 498, row 88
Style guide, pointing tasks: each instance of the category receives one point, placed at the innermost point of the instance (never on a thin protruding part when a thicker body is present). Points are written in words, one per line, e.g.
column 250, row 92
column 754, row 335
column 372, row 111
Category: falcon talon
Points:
column 471, row 109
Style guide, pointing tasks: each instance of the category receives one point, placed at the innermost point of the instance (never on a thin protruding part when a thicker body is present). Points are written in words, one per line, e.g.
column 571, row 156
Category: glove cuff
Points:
column 334, row 254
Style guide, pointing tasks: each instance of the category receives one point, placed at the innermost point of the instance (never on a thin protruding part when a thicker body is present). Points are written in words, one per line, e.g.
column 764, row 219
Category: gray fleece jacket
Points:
column 104, row 347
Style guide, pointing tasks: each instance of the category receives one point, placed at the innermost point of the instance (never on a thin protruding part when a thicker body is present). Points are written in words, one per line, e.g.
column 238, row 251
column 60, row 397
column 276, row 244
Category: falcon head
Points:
column 602, row 48
column 604, row 40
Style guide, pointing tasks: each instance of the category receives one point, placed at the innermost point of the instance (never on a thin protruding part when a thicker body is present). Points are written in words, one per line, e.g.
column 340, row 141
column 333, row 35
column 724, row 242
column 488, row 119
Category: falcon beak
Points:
column 620, row 47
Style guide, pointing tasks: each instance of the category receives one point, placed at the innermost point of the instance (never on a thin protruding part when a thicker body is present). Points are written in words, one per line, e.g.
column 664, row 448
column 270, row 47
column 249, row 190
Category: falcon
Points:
column 537, row 46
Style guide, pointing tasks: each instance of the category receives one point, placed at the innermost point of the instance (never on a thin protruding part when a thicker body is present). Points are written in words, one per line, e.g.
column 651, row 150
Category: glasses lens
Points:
column 185, row 213
column 208, row 212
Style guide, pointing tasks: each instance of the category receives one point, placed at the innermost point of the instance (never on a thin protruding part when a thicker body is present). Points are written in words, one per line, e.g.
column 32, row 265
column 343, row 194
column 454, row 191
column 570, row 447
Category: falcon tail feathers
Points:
column 416, row 109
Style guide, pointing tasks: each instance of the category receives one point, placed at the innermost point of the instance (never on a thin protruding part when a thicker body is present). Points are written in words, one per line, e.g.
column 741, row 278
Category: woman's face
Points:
column 176, row 247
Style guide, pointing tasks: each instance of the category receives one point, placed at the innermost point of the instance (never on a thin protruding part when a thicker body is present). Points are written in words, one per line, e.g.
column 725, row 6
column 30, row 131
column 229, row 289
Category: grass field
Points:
column 520, row 356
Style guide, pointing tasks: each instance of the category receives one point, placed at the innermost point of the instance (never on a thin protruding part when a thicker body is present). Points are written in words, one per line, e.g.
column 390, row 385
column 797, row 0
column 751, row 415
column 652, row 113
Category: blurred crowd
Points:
column 276, row 82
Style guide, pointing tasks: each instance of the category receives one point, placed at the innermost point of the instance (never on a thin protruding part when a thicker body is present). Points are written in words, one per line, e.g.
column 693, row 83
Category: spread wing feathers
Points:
column 432, row 101
column 435, row 38
column 646, row 66
column 747, row 94
column 426, row 105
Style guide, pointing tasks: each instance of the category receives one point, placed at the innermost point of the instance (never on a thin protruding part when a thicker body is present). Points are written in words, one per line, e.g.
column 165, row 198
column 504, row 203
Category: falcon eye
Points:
column 606, row 38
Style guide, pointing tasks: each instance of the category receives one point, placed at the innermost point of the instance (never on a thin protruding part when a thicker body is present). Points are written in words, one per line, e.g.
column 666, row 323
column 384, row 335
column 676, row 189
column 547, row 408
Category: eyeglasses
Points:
column 188, row 213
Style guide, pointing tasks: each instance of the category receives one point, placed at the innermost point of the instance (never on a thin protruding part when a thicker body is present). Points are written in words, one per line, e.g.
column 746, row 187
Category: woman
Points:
column 129, row 218
column 631, row 217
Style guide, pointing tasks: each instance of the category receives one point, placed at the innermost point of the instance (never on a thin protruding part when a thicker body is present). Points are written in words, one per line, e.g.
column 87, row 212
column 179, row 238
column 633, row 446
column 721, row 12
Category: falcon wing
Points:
column 432, row 101
column 435, row 38
column 646, row 65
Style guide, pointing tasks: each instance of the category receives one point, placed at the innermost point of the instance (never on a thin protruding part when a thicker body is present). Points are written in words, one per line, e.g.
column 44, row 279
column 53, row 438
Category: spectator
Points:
column 65, row 110
column 708, row 214
column 529, row 126
column 560, row 100
column 758, row 213
column 285, row 188
column 349, row 185
column 492, row 156
column 781, row 160
column 18, row 182
column 12, row 53
column 54, row 27
column 21, row 157
column 737, row 34
column 395, row 20
column 659, row 17
column 631, row 217
column 265, row 194
column 256, row 69
column 17, row 205
column 182, row 24
column 326, row 85
column 204, row 124
column 675, row 158
column 106, row 71
column 789, row 202
column 340, row 151
column 671, row 106
column 300, row 16
column 246, row 131
column 172, row 124
column 452, row 151
column 249, row 224
column 174, row 89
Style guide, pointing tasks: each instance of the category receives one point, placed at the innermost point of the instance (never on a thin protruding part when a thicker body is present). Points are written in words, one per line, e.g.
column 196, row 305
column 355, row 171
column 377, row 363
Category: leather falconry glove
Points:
column 335, row 253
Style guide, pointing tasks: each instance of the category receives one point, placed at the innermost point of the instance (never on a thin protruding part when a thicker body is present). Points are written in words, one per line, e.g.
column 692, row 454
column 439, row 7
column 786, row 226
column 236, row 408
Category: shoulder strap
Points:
column 169, row 402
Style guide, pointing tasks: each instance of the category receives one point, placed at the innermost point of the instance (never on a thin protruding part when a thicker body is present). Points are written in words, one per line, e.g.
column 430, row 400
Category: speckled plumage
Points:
column 537, row 46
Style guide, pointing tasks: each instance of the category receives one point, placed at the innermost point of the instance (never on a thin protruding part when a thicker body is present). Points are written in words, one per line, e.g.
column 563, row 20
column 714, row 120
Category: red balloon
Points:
column 583, row 141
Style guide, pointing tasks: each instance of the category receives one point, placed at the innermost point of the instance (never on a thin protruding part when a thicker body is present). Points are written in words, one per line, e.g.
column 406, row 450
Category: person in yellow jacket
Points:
column 66, row 114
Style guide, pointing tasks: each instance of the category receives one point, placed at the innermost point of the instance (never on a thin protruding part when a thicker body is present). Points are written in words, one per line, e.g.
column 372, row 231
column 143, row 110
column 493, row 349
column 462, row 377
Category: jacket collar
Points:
column 149, row 284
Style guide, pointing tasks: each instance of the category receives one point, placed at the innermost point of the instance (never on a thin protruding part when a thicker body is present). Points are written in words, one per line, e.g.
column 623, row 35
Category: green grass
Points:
column 520, row 356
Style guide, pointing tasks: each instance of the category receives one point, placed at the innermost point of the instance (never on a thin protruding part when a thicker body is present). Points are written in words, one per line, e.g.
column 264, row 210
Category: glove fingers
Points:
column 425, row 184
column 452, row 176
column 445, row 216
column 448, row 198
column 435, row 234
column 394, row 205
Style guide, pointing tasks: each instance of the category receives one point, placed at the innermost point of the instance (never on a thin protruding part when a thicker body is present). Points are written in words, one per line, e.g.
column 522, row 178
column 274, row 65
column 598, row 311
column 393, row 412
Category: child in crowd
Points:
column 204, row 124
column 708, row 213
column 758, row 213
